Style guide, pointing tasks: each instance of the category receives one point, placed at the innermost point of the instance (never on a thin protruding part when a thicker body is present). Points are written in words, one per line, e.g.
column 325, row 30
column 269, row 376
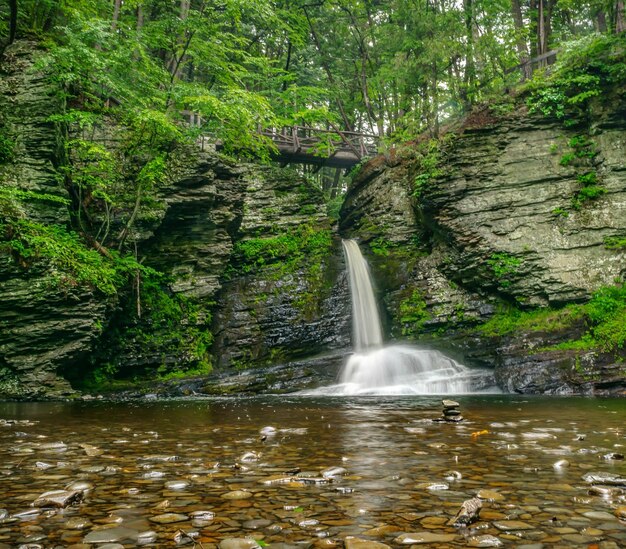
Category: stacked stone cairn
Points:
column 451, row 412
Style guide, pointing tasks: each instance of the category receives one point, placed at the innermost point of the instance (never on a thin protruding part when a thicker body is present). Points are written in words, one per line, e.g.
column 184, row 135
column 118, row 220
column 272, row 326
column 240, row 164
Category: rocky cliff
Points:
column 481, row 244
column 250, row 265
column 520, row 212
column 42, row 326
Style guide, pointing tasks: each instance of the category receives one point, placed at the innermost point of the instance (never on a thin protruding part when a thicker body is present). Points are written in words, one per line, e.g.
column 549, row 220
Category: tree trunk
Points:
column 470, row 67
column 12, row 21
column 620, row 16
column 522, row 46
column 139, row 18
column 600, row 21
column 117, row 4
column 541, row 30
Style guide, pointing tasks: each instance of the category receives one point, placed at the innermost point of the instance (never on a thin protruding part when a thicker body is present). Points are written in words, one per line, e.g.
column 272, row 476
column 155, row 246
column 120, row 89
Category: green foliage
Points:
column 591, row 192
column 429, row 160
column 560, row 212
column 589, row 178
column 381, row 246
column 582, row 154
column 305, row 242
column 7, row 148
column 510, row 319
column 413, row 313
column 166, row 325
column 333, row 207
column 615, row 242
column 73, row 263
column 585, row 68
column 504, row 266
column 604, row 317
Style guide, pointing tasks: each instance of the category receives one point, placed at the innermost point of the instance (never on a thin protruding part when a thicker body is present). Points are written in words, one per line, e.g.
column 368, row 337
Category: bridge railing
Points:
column 307, row 139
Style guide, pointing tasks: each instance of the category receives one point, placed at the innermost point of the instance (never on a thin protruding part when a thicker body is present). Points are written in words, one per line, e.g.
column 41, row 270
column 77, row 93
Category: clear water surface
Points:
column 375, row 468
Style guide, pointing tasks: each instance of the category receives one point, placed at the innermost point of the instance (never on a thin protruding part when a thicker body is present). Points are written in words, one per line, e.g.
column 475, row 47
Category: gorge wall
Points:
column 502, row 224
column 508, row 214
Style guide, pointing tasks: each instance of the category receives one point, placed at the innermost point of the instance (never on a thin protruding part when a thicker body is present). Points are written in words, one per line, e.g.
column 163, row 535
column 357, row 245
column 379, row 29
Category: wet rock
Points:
column 613, row 456
column 598, row 515
column 451, row 413
column 82, row 485
column 183, row 537
column 449, row 404
column 490, row 495
column 177, row 485
column 605, row 491
column 202, row 515
column 255, row 524
column 77, row 523
column 610, row 479
column 620, row 512
column 111, row 535
column 452, row 475
column 356, row 543
column 154, row 474
column 433, row 486
column 332, row 472
column 59, row 498
column 508, row 525
column 424, row 537
column 238, row 543
column 91, row 450
column 268, row 431
column 484, row 541
column 168, row 518
column 561, row 464
column 468, row 513
column 146, row 537
column 237, row 494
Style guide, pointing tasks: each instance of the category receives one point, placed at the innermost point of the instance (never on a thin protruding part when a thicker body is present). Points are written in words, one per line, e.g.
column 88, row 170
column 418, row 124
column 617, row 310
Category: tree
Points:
column 12, row 20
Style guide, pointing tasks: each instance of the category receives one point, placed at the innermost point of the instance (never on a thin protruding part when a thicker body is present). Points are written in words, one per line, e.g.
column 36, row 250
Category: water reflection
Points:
column 212, row 469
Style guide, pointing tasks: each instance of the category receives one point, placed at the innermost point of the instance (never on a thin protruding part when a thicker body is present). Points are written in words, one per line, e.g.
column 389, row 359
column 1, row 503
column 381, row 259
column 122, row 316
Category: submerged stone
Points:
column 111, row 535
column 424, row 537
column 238, row 543
column 357, row 543
column 58, row 498
column 169, row 518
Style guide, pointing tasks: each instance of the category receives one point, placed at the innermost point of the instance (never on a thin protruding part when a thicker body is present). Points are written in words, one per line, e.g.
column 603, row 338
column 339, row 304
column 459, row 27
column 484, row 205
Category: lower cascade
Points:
column 376, row 369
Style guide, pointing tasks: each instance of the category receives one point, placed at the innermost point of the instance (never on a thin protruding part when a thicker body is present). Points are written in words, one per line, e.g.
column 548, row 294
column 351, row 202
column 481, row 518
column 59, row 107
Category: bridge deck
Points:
column 304, row 145
column 333, row 148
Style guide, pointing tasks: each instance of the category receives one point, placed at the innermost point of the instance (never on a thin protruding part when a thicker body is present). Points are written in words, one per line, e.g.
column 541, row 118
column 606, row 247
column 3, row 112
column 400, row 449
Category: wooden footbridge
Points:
column 334, row 148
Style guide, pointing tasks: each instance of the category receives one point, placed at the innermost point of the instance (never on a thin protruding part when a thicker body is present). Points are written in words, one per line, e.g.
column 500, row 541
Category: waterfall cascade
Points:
column 375, row 369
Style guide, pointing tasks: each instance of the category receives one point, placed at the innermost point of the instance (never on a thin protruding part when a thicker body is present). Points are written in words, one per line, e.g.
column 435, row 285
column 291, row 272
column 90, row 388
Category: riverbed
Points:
column 320, row 472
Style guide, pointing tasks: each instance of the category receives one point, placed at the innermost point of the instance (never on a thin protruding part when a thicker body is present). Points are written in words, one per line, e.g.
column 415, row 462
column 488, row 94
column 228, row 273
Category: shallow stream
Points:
column 162, row 473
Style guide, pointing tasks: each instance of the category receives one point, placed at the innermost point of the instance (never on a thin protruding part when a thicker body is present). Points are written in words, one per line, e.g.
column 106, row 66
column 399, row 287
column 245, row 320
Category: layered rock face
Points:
column 288, row 301
column 270, row 299
column 42, row 327
column 291, row 301
column 504, row 224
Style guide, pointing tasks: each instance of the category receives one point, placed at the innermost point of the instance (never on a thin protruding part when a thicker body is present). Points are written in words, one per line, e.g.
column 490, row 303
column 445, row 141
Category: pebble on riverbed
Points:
column 58, row 498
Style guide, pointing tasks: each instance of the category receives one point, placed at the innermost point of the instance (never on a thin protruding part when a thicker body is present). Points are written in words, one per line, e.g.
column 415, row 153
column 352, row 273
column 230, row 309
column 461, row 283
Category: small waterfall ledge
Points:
column 377, row 369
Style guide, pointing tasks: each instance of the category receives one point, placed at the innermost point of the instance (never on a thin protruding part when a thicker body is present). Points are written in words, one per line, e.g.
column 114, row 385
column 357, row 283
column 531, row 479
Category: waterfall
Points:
column 366, row 330
column 375, row 369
